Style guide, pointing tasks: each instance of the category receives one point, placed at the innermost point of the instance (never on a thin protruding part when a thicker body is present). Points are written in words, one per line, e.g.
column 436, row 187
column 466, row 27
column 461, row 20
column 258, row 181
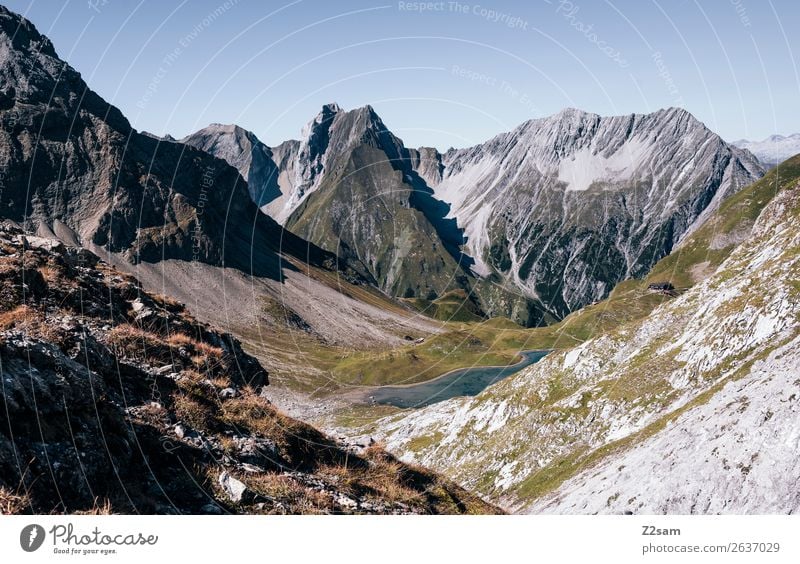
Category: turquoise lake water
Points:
column 463, row 382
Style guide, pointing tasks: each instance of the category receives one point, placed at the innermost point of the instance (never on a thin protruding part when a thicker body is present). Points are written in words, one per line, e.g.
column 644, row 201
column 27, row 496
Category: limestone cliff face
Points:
column 565, row 207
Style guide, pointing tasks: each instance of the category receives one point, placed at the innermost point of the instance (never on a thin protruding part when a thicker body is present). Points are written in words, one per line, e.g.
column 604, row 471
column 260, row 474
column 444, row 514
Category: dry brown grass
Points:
column 386, row 478
column 192, row 412
column 125, row 334
column 167, row 302
column 177, row 340
column 198, row 386
column 255, row 414
column 276, row 486
column 288, row 496
column 130, row 340
column 16, row 316
column 30, row 321
column 381, row 477
column 300, row 444
column 53, row 275
column 220, row 382
column 347, row 479
column 209, row 351
column 99, row 508
column 12, row 503
column 381, row 480
column 227, row 444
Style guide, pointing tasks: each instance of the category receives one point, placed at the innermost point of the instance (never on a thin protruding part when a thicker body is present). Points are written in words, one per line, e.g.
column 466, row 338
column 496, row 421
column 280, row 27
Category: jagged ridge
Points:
column 603, row 199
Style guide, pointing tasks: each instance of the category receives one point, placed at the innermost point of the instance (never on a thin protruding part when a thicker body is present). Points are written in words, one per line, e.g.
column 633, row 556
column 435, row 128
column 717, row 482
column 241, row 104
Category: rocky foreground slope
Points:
column 117, row 400
column 694, row 408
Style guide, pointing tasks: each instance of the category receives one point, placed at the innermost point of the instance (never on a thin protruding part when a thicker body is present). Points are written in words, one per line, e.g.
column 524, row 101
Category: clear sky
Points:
column 452, row 74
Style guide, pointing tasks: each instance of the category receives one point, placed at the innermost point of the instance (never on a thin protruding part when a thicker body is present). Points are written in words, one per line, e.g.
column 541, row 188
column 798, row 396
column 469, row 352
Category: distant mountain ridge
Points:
column 772, row 150
column 534, row 223
column 349, row 186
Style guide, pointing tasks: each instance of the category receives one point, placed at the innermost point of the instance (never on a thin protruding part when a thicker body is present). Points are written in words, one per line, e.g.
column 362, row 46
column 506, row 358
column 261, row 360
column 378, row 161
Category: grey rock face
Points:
column 243, row 150
column 234, row 489
column 565, row 207
column 74, row 168
column 349, row 187
column 72, row 157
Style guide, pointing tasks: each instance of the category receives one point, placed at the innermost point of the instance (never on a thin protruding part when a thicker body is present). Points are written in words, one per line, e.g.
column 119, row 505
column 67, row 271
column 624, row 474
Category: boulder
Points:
column 234, row 489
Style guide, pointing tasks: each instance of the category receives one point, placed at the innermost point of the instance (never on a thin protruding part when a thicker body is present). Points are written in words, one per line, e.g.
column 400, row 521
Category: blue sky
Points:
column 452, row 74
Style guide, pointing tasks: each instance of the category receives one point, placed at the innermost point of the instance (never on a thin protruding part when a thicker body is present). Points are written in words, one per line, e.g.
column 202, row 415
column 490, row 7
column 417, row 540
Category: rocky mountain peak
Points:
column 626, row 188
column 76, row 168
column 244, row 151
column 322, row 120
column 571, row 115
column 225, row 134
column 331, row 107
column 351, row 126
column 24, row 35
column 231, row 129
column 32, row 74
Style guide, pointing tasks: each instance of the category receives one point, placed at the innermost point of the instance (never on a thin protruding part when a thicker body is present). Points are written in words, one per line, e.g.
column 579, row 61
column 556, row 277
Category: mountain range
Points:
column 117, row 399
column 533, row 224
column 772, row 150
